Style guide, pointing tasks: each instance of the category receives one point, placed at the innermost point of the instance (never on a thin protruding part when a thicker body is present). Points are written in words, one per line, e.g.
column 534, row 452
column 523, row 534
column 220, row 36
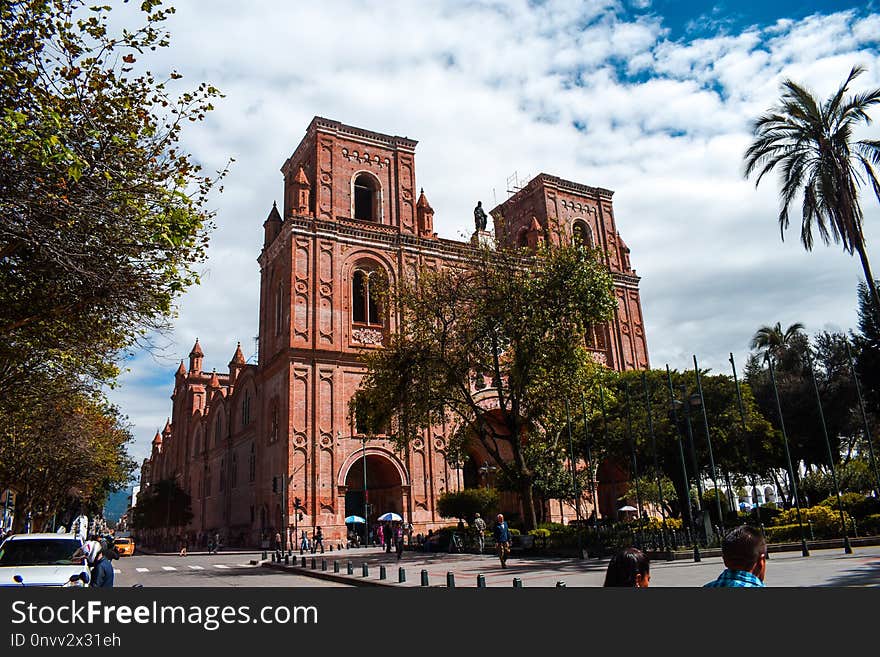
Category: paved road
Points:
column 203, row 570
column 785, row 569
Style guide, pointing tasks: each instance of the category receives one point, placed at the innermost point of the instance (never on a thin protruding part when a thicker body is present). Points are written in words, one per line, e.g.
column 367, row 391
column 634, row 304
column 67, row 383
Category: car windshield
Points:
column 38, row 552
column 122, row 541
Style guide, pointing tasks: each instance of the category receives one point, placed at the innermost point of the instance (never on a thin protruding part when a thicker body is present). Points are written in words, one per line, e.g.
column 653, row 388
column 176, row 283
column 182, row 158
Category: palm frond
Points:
column 833, row 103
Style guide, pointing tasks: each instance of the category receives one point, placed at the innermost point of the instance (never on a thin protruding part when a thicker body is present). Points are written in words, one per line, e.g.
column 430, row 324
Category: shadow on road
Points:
column 866, row 574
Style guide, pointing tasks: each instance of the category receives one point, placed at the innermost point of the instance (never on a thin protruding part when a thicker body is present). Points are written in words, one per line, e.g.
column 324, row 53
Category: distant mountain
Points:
column 117, row 504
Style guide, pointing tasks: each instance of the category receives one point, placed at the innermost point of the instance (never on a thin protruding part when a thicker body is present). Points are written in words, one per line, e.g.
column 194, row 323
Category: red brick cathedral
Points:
column 351, row 212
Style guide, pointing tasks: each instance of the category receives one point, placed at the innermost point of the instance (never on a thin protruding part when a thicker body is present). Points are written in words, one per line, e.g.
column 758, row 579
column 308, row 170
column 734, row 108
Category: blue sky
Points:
column 653, row 100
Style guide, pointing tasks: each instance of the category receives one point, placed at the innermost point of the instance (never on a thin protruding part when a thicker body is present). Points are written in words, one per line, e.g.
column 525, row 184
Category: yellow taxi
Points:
column 124, row 546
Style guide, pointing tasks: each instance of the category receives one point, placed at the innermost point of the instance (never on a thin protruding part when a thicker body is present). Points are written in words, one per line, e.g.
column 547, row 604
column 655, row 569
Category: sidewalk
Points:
column 823, row 568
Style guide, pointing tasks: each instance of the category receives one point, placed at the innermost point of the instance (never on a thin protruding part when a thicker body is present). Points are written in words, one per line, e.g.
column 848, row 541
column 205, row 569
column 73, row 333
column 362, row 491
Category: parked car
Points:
column 124, row 546
column 40, row 560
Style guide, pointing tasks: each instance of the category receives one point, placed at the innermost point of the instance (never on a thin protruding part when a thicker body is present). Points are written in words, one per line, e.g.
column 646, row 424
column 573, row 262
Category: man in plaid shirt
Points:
column 744, row 551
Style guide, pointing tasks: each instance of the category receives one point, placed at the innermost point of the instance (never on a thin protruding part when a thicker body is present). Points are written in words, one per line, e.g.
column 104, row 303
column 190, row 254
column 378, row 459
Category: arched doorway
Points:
column 384, row 490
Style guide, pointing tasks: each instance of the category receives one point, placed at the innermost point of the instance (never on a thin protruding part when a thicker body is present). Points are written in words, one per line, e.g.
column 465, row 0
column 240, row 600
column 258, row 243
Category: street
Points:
column 822, row 568
column 204, row 570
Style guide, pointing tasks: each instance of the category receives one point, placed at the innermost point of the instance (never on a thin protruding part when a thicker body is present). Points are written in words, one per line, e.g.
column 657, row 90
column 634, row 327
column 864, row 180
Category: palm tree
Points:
column 813, row 146
column 773, row 340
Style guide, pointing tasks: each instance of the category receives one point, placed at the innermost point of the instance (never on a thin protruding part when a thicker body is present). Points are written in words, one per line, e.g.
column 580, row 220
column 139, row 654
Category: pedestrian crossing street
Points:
column 218, row 566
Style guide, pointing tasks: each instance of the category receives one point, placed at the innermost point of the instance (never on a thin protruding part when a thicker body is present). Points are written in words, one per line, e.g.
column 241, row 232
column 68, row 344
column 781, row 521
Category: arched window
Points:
column 366, row 306
column 252, row 465
column 365, row 201
column 222, row 474
column 581, row 235
column 234, row 473
column 273, row 431
column 196, row 445
column 207, row 482
column 218, row 432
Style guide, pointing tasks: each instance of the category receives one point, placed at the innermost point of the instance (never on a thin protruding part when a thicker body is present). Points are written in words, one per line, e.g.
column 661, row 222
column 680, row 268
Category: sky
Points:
column 651, row 99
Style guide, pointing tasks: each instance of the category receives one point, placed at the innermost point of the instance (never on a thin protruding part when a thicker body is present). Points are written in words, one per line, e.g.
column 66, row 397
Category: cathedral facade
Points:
column 265, row 446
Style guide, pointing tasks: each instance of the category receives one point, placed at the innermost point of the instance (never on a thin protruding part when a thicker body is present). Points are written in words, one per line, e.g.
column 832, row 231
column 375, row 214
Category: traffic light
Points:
column 296, row 503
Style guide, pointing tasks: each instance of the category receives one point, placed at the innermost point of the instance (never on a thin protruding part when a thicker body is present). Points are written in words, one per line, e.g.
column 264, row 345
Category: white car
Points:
column 40, row 560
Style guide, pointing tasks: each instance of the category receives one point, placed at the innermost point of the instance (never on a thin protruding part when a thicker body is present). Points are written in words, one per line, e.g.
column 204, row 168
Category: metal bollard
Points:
column 481, row 581
column 350, row 568
column 560, row 584
column 323, row 564
column 273, row 557
column 450, row 580
column 335, row 566
column 424, row 577
column 264, row 555
column 303, row 562
column 286, row 560
column 517, row 583
column 365, row 570
column 331, row 547
column 401, row 575
column 381, row 572
column 314, row 563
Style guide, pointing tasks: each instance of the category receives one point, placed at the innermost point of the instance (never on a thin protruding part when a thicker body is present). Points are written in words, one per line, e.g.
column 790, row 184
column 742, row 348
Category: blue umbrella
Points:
column 389, row 517
column 354, row 520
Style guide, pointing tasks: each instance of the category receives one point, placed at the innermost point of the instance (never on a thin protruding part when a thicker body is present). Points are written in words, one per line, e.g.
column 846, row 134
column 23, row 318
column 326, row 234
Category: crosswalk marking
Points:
column 117, row 571
column 220, row 565
column 196, row 568
column 142, row 570
column 168, row 568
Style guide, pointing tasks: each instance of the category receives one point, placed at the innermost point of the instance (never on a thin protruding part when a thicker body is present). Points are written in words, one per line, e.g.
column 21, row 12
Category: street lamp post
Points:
column 686, row 403
column 656, row 461
column 742, row 417
column 864, row 421
column 804, row 551
column 632, row 449
column 574, row 485
column 589, row 442
column 687, row 484
column 366, row 518
column 847, row 548
column 709, row 442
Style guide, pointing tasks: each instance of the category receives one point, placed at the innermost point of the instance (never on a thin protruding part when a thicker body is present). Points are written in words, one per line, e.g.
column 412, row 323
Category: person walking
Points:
column 380, row 534
column 317, row 539
column 480, row 529
column 744, row 552
column 630, row 567
column 501, row 532
column 182, row 542
column 303, row 541
column 398, row 537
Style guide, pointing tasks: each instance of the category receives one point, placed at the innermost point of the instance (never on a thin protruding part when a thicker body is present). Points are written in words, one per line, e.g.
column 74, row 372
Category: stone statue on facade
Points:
column 480, row 217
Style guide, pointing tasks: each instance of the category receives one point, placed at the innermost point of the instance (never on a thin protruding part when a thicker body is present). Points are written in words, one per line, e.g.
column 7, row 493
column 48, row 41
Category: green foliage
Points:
column 102, row 213
column 62, row 451
column 826, row 522
column 484, row 348
column 103, row 220
column 855, row 504
column 164, row 504
column 466, row 503
column 870, row 525
column 822, row 165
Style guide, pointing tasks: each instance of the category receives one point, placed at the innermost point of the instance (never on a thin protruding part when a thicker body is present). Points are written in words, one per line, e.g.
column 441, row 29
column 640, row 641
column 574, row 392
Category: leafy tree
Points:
column 812, row 143
column 798, row 397
column 466, row 503
column 610, row 431
column 493, row 348
column 773, row 340
column 62, row 451
column 102, row 213
column 163, row 504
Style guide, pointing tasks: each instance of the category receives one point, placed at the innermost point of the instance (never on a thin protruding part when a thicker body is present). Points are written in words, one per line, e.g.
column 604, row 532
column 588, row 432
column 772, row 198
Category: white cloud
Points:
column 489, row 88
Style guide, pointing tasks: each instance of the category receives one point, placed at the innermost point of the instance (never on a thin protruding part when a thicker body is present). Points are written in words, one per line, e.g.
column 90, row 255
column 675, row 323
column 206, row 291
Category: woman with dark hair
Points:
column 629, row 567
